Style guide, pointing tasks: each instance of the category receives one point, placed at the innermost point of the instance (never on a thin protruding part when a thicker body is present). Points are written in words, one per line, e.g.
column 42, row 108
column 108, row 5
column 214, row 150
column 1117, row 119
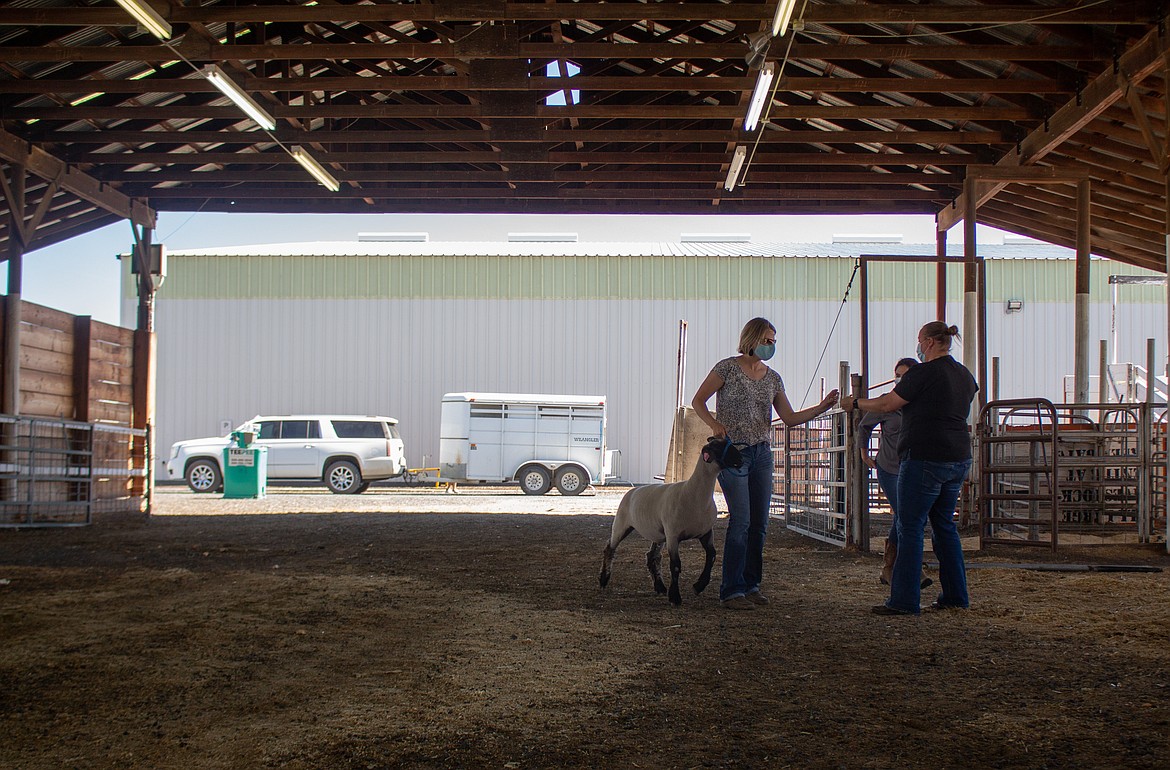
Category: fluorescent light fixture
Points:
column 759, row 96
column 149, row 18
column 783, row 15
column 318, row 171
column 220, row 80
column 736, row 164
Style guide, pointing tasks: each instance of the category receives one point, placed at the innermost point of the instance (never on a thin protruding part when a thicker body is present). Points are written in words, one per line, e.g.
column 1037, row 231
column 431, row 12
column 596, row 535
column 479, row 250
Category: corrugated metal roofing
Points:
column 1036, row 250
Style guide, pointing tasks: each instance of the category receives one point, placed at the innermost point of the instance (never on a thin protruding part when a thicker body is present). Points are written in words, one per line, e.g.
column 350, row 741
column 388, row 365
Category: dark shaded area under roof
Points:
column 450, row 107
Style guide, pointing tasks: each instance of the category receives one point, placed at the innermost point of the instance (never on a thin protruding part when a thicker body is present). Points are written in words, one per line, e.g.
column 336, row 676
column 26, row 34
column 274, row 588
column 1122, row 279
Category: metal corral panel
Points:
column 391, row 334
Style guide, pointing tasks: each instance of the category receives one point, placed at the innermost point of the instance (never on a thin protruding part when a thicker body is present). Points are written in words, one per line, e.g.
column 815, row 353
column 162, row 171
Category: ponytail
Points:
column 940, row 331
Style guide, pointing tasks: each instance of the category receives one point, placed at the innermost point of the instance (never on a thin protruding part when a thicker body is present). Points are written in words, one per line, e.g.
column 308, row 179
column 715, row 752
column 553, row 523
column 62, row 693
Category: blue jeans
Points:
column 889, row 484
column 928, row 491
column 748, row 492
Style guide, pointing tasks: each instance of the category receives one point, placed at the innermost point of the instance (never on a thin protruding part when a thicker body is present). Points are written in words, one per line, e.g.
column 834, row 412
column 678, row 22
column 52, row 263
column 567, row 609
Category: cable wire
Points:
column 817, row 368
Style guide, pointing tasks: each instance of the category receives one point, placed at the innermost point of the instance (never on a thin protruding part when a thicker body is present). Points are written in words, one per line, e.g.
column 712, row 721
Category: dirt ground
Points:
column 411, row 628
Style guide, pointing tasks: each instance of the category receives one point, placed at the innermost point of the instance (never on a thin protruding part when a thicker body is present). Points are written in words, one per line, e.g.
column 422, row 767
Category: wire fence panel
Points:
column 60, row 472
column 1079, row 474
column 809, row 482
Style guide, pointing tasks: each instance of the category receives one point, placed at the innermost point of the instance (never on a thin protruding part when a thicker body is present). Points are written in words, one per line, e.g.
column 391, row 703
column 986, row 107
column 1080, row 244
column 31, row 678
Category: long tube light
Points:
column 220, row 80
column 762, row 93
column 310, row 164
column 149, row 18
column 783, row 16
column 737, row 160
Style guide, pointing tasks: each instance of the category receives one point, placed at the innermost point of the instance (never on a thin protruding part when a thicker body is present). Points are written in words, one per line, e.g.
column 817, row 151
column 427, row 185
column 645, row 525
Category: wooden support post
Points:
column 970, row 328
column 1103, row 384
column 858, row 473
column 864, row 311
column 1151, row 371
column 1081, row 308
column 82, row 334
column 143, row 416
column 14, row 193
column 995, row 378
column 981, row 371
column 940, row 275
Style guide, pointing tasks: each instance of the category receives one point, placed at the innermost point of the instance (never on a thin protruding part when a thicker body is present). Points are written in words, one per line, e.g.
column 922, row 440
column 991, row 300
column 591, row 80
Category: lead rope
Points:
column 856, row 267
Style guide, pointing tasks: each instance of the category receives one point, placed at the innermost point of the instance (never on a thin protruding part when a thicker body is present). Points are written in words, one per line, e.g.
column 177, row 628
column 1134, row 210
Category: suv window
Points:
column 392, row 430
column 358, row 429
column 300, row 429
column 269, row 430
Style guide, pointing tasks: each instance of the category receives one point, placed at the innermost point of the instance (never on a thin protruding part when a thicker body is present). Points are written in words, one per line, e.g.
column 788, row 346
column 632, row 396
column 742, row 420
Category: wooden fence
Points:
column 75, row 369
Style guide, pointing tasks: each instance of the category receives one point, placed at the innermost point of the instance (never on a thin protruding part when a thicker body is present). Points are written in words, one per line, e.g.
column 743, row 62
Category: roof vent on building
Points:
column 542, row 237
column 716, row 237
column 866, row 238
column 394, row 237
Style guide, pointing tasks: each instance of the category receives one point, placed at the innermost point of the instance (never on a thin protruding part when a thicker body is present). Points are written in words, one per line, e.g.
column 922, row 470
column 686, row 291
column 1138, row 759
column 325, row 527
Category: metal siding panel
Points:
column 227, row 359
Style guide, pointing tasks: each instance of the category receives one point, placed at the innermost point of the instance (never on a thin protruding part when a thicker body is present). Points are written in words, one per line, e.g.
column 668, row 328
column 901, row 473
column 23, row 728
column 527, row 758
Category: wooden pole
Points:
column 970, row 328
column 940, row 275
column 864, row 266
column 1081, row 308
column 12, row 306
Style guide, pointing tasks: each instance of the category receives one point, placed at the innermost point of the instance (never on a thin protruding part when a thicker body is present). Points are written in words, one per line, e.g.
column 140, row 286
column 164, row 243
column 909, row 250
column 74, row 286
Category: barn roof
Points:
column 625, row 107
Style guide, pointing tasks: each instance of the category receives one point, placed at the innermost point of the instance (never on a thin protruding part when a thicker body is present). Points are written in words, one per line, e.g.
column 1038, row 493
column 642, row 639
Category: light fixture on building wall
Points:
column 783, row 15
column 220, row 80
column 310, row 164
column 737, row 160
column 1013, row 306
column 762, row 93
column 149, row 18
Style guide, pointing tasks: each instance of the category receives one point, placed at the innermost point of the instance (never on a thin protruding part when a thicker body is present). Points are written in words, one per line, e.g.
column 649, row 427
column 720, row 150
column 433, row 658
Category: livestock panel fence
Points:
column 79, row 445
column 1078, row 474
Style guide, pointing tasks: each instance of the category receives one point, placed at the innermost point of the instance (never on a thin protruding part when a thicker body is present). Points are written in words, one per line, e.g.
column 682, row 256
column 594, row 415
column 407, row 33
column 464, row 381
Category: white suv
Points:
column 347, row 452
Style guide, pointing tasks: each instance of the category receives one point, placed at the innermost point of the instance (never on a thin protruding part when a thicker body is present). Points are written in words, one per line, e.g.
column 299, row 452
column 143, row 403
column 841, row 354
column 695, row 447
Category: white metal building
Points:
column 389, row 327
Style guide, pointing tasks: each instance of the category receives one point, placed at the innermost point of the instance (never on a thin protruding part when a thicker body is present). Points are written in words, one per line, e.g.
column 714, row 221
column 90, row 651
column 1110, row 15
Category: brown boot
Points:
column 888, row 564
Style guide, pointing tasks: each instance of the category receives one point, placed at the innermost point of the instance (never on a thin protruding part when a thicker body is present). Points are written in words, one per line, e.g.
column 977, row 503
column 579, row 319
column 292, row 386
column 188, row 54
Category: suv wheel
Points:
column 203, row 476
column 534, row 480
column 571, row 480
column 343, row 478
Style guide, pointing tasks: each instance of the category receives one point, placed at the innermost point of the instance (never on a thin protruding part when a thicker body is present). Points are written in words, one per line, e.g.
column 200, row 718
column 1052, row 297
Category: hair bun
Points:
column 953, row 330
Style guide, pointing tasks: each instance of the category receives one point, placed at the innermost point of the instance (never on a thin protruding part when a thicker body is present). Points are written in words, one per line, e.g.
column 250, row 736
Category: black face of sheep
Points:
column 723, row 452
column 671, row 513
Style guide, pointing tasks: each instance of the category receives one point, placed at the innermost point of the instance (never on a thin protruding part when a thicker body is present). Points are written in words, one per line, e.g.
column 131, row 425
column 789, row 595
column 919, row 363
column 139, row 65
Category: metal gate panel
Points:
column 1074, row 473
column 809, row 485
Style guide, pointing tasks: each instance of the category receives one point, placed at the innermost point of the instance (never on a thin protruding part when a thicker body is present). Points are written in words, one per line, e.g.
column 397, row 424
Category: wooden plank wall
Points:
column 75, row 368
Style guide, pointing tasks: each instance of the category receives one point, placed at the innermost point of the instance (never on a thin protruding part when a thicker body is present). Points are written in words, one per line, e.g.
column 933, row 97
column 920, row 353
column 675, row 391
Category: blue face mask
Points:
column 765, row 352
column 919, row 353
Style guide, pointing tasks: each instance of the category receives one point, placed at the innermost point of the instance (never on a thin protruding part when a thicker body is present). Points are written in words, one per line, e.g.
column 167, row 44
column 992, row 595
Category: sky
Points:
column 81, row 276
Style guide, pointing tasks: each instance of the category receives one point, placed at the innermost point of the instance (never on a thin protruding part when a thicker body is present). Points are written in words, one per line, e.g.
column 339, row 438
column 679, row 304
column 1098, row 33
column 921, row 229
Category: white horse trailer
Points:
column 538, row 440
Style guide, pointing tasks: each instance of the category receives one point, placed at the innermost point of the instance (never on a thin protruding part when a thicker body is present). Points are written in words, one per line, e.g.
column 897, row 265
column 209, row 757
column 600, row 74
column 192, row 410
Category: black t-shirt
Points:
column 934, row 421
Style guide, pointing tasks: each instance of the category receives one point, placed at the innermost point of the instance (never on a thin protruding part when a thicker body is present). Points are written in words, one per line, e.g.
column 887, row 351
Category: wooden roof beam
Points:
column 1139, row 62
column 454, row 10
column 201, row 51
column 401, row 137
column 48, row 167
column 417, row 83
column 955, row 113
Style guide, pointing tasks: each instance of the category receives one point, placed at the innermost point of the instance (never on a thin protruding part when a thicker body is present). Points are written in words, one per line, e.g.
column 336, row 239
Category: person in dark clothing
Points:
column 886, row 463
column 935, row 448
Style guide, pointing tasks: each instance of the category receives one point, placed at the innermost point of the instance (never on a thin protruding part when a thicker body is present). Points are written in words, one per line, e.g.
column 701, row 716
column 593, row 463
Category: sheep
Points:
column 671, row 513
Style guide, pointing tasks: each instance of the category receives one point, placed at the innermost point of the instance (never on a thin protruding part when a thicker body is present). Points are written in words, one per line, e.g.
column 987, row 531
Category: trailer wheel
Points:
column 571, row 480
column 534, row 480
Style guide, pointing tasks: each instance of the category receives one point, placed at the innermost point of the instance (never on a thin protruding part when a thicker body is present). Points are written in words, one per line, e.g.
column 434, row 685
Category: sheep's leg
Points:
column 607, row 557
column 675, row 569
column 709, row 547
column 653, row 560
